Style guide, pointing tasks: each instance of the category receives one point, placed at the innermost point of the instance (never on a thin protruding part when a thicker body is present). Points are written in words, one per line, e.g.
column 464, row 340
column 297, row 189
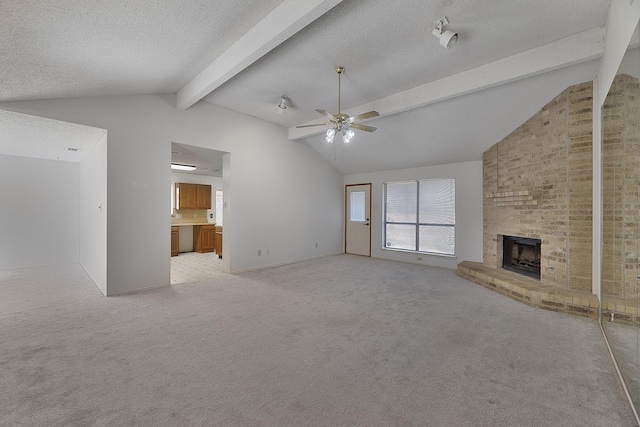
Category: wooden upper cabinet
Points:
column 185, row 196
column 193, row 196
column 203, row 196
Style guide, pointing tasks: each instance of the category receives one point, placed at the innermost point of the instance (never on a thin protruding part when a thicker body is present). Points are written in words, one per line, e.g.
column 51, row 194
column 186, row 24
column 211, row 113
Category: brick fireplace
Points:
column 538, row 185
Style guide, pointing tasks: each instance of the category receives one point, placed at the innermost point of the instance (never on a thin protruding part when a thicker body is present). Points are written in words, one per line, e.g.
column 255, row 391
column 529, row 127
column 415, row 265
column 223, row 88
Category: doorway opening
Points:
column 198, row 210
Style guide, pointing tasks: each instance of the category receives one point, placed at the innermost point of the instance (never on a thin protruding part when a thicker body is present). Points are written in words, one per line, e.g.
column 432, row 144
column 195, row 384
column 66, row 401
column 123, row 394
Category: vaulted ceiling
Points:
column 437, row 105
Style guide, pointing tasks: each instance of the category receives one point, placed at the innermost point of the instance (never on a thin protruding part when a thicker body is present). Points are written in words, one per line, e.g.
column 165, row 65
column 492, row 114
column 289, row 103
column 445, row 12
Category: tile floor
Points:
column 193, row 266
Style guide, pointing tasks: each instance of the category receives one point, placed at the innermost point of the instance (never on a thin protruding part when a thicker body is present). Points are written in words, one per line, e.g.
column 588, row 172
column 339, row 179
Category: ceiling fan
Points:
column 342, row 122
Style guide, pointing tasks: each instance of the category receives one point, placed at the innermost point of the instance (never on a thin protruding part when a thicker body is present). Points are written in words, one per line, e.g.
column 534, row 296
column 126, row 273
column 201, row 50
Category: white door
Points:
column 358, row 229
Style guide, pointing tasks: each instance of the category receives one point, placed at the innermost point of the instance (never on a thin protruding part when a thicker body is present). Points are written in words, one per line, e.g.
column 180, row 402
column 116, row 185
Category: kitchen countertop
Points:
column 192, row 223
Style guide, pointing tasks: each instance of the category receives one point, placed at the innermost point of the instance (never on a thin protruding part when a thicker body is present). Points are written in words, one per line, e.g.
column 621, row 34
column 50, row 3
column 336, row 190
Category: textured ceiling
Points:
column 29, row 136
column 68, row 48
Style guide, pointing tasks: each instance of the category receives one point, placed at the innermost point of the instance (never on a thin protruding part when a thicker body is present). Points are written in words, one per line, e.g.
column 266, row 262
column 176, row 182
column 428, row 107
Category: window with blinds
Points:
column 420, row 216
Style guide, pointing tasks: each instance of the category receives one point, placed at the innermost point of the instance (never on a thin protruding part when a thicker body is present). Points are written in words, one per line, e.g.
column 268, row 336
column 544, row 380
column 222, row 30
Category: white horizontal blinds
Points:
column 401, row 201
column 437, row 216
column 421, row 215
column 401, row 214
column 401, row 236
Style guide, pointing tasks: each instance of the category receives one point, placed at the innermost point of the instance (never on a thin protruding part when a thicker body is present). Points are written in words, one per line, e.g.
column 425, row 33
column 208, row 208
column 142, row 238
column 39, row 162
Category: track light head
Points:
column 447, row 37
column 282, row 107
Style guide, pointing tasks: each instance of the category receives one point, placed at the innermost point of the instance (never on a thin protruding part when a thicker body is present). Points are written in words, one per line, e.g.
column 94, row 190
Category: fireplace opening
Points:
column 522, row 255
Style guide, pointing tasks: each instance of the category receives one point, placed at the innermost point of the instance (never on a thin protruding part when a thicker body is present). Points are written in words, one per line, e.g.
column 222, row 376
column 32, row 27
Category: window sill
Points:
column 420, row 253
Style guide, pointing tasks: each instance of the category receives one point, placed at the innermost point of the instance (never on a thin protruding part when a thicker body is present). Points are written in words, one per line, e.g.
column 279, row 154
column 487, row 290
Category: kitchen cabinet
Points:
column 204, row 238
column 192, row 196
column 218, row 240
column 203, row 196
column 175, row 240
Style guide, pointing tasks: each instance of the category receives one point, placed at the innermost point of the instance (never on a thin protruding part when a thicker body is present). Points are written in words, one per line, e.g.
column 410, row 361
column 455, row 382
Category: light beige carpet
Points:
column 339, row 341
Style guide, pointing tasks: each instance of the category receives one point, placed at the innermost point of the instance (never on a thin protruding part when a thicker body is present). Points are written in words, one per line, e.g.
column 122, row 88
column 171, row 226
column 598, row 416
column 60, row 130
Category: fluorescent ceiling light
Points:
column 179, row 167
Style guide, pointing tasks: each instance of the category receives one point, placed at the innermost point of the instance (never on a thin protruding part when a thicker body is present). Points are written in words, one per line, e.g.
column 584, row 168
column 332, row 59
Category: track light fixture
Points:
column 282, row 107
column 447, row 37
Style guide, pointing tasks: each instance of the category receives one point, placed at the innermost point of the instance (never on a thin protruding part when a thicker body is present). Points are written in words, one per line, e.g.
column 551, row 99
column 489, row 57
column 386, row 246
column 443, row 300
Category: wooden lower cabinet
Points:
column 219, row 241
column 204, row 238
column 175, row 240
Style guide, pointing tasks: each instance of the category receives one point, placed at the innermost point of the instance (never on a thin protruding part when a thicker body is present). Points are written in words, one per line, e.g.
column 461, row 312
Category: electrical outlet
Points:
column 259, row 252
column 267, row 253
column 316, row 244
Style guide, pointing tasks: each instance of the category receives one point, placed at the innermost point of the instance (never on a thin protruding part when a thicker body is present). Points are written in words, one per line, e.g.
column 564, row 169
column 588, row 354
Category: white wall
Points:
column 281, row 196
column 39, row 212
column 468, row 178
column 93, row 214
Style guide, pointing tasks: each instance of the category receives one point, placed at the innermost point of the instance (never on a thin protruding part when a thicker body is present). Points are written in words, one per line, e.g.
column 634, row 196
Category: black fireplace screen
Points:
column 522, row 255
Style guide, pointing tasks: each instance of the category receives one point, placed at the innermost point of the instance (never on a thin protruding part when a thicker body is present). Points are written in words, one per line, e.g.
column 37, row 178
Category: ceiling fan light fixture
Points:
column 447, row 37
column 330, row 134
column 347, row 135
column 282, row 107
column 342, row 121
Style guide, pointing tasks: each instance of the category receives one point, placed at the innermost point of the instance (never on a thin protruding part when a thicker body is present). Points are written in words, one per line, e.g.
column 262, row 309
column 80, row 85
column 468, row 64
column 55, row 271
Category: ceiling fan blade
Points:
column 363, row 127
column 364, row 116
column 324, row 113
column 308, row 126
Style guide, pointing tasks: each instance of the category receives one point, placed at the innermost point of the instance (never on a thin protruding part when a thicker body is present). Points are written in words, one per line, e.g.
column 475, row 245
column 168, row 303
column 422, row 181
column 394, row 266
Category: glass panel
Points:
column 437, row 239
column 401, row 236
column 437, row 201
column 621, row 219
column 357, row 203
column 401, row 203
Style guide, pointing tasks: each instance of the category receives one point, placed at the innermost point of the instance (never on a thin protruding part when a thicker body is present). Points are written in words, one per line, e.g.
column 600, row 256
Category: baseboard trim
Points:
column 624, row 384
column 133, row 291
column 247, row 270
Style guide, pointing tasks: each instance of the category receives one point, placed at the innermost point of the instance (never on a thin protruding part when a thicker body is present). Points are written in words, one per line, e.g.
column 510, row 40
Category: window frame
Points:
column 417, row 223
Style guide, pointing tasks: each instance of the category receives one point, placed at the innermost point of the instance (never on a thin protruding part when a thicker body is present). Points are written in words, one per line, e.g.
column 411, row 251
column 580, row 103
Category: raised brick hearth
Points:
column 539, row 294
